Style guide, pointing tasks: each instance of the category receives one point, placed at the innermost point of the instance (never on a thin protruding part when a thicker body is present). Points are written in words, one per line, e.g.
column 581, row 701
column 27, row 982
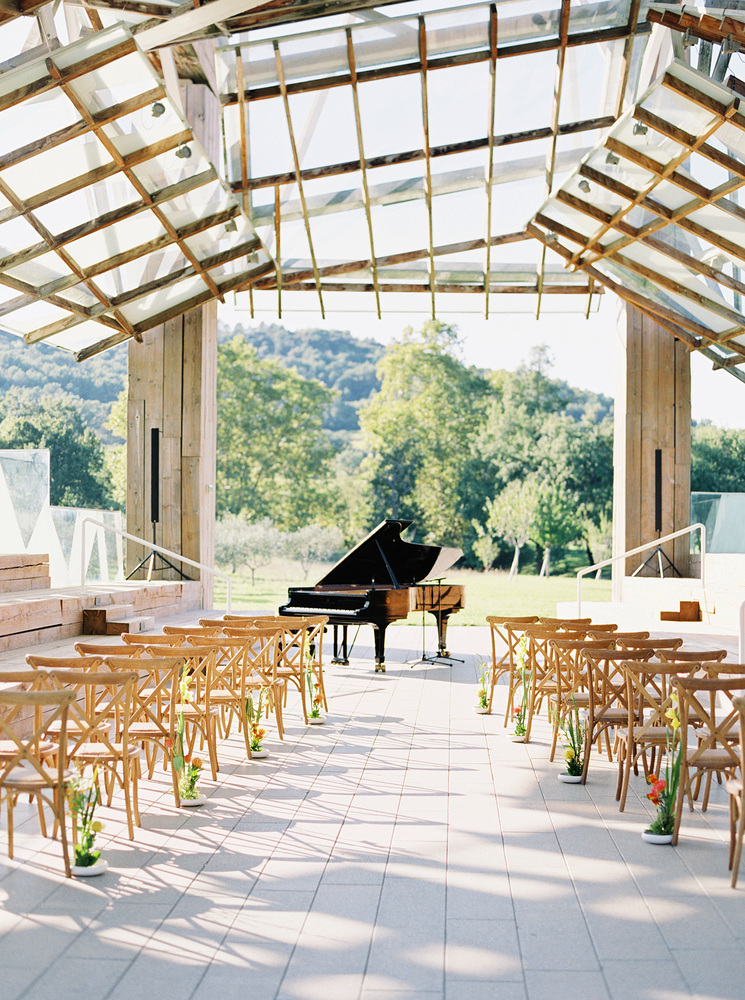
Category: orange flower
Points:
column 169, row 743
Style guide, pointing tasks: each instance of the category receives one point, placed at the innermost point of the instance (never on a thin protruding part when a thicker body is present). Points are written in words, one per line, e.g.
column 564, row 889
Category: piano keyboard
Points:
column 325, row 611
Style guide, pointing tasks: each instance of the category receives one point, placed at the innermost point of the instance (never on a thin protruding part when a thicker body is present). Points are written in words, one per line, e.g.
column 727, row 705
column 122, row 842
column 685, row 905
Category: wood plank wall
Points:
column 172, row 387
column 652, row 410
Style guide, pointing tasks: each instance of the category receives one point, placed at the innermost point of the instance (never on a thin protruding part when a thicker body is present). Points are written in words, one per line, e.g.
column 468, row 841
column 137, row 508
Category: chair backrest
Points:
column 514, row 619
column 571, row 672
column 618, row 636
column 158, row 639
column 692, row 655
column 561, row 622
column 631, row 643
column 155, row 693
column 102, row 717
column 651, row 694
column 20, row 749
column 110, row 649
column 607, row 679
column 180, row 630
column 41, row 662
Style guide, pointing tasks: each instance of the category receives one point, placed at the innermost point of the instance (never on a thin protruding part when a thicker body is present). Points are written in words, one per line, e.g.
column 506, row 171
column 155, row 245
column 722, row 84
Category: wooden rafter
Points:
column 555, row 113
column 457, row 288
column 134, row 180
column 427, row 158
column 397, row 258
column 363, row 163
column 406, row 68
column 709, row 27
column 493, row 46
column 628, row 50
column 278, row 246
column 412, row 155
column 663, row 173
column 298, row 177
column 243, row 132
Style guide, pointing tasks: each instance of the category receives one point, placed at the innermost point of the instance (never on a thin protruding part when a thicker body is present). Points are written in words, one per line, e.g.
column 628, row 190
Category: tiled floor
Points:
column 407, row 850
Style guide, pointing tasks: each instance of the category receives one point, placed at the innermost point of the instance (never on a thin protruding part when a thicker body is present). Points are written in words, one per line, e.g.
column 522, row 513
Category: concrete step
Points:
column 138, row 623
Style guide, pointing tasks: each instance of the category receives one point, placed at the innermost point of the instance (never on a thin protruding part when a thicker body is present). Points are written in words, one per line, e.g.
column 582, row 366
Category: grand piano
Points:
column 379, row 582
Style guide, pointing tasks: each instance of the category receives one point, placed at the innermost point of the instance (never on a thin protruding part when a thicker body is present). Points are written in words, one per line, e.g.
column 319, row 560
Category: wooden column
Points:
column 172, row 387
column 652, row 411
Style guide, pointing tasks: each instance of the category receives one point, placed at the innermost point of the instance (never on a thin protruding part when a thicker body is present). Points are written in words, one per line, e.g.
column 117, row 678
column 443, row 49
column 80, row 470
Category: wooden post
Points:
column 173, row 386
column 652, row 411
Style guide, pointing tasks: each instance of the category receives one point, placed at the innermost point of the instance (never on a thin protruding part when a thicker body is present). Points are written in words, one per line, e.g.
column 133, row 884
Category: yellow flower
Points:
column 96, row 826
column 569, row 754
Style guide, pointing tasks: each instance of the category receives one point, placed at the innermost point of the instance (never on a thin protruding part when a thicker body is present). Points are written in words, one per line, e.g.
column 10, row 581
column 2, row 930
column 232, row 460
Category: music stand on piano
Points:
column 442, row 653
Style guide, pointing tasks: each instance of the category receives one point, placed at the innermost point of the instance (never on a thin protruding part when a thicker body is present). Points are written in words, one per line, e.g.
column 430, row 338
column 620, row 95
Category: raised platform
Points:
column 30, row 617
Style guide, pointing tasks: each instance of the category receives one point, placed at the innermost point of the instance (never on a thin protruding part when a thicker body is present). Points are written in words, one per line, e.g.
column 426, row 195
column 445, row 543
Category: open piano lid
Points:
column 383, row 558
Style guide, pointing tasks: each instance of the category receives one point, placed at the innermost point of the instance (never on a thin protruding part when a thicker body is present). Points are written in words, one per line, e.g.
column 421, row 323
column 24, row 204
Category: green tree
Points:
column 511, row 515
column 555, row 522
column 273, row 458
column 115, row 456
column 717, row 459
column 420, row 431
column 76, row 456
column 238, row 543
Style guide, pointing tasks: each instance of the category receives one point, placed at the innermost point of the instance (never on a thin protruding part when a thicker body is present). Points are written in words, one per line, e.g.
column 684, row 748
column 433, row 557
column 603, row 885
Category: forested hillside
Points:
column 342, row 362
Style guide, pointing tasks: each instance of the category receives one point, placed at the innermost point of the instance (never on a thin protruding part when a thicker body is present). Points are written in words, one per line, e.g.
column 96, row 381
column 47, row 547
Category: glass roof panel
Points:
column 99, row 247
column 41, row 271
column 87, row 203
column 16, row 235
column 50, row 168
column 162, row 300
column 391, row 115
column 450, row 119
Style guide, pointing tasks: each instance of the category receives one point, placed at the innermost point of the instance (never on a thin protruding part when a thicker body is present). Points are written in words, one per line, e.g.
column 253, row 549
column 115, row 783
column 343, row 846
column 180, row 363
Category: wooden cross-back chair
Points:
column 98, row 730
column 200, row 715
column 571, row 677
column 607, row 706
column 735, row 791
column 176, row 631
column 618, row 637
column 541, row 664
column 245, row 666
column 561, row 623
column 517, row 631
column 23, row 771
column 650, row 695
column 709, row 701
column 42, row 662
column 153, row 720
column 502, row 659
column 292, row 644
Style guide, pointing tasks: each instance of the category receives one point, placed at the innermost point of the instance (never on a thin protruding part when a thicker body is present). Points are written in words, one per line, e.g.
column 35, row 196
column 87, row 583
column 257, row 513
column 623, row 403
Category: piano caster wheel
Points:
column 341, row 662
column 379, row 667
column 443, row 654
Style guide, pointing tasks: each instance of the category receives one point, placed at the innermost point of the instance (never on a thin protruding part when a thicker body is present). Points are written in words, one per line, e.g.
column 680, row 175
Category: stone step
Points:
column 140, row 623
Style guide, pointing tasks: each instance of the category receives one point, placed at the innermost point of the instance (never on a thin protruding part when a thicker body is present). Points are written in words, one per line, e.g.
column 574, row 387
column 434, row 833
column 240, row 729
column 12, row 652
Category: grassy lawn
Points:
column 486, row 593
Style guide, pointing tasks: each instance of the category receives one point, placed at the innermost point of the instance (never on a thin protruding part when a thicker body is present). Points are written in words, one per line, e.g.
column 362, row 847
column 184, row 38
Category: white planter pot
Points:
column 481, row 711
column 517, row 739
column 258, row 754
column 569, row 779
column 192, row 803
column 315, row 722
column 657, row 838
column 90, row 871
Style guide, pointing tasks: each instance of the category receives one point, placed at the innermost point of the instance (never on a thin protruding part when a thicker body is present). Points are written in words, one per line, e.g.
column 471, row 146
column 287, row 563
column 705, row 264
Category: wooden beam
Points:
column 298, row 177
column 628, row 49
column 555, row 111
column 184, row 26
column 412, row 155
column 711, row 28
column 491, row 121
column 363, row 163
column 400, row 258
column 458, row 288
column 427, row 158
column 277, row 233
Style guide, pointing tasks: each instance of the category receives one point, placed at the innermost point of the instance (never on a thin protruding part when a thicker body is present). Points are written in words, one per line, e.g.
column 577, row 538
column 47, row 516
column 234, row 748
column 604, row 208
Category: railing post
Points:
column 742, row 633
column 83, row 566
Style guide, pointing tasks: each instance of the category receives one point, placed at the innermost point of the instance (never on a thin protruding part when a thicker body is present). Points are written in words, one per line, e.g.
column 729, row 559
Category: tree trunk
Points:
column 546, row 564
column 515, row 563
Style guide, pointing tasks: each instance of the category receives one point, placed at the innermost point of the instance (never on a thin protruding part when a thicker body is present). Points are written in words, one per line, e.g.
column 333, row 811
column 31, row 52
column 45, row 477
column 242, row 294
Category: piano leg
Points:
column 442, row 632
column 379, row 635
column 342, row 659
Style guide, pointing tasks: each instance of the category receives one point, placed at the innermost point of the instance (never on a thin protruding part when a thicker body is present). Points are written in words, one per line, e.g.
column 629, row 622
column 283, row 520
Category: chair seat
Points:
column 99, row 751
column 28, row 779
column 617, row 715
column 8, row 748
column 713, row 758
column 145, row 730
column 647, row 736
column 192, row 712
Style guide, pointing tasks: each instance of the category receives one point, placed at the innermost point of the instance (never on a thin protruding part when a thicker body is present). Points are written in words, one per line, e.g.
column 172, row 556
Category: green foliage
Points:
column 511, row 514
column 239, row 544
column 555, row 521
column 343, row 363
column 314, row 543
column 273, row 458
column 92, row 387
column 717, row 459
column 76, row 456
column 419, row 431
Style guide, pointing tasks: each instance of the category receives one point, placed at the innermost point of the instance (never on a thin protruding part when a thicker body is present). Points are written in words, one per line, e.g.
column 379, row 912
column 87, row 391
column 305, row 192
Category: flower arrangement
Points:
column 253, row 715
column 83, row 795
column 519, row 712
column 316, row 699
column 664, row 791
column 482, row 693
column 187, row 768
column 574, row 747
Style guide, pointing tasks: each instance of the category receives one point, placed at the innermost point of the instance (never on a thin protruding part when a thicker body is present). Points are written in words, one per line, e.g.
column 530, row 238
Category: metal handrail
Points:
column 741, row 618
column 643, row 548
column 153, row 547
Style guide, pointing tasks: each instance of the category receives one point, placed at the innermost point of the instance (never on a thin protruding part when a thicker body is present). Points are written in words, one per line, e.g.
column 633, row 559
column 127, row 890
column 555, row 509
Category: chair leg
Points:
column 738, row 845
column 59, row 812
column 126, row 788
column 9, row 804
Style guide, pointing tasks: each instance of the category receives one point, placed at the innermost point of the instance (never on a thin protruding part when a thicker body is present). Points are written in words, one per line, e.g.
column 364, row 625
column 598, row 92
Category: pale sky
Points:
column 584, row 350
